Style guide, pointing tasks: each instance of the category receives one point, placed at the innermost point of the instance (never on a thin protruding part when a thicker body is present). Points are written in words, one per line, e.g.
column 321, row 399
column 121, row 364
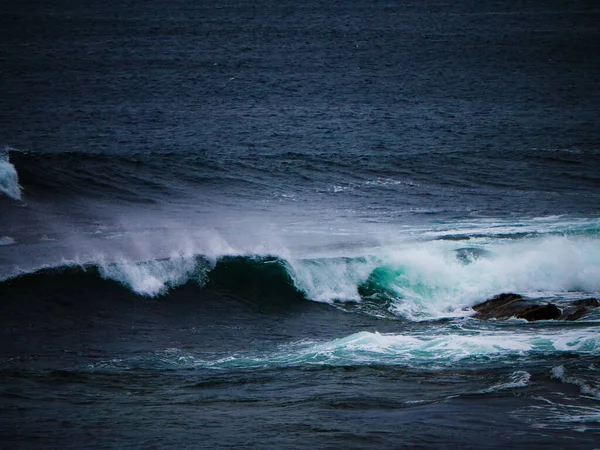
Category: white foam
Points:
column 365, row 348
column 432, row 352
column 434, row 284
column 428, row 281
column 9, row 181
column 6, row 240
column 328, row 280
column 519, row 379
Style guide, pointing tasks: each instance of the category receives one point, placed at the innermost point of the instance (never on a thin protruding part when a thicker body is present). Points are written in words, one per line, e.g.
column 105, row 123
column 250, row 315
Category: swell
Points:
column 152, row 176
column 263, row 277
column 163, row 176
column 135, row 176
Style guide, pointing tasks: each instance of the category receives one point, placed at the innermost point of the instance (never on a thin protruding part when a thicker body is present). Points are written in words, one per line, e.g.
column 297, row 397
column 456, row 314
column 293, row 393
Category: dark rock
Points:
column 540, row 312
column 501, row 306
column 505, row 306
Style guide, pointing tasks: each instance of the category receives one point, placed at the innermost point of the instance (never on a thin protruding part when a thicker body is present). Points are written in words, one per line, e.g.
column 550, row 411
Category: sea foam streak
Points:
column 560, row 415
column 9, row 180
column 424, row 351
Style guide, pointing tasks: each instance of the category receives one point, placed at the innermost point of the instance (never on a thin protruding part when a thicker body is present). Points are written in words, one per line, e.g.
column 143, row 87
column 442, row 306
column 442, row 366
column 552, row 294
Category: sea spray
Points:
column 332, row 279
column 152, row 278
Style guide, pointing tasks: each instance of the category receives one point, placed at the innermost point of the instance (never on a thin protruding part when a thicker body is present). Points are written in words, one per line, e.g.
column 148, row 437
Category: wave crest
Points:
column 425, row 281
column 152, row 278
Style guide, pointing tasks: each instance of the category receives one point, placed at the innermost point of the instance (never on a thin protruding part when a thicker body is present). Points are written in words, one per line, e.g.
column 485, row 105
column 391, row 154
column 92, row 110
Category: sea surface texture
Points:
column 265, row 224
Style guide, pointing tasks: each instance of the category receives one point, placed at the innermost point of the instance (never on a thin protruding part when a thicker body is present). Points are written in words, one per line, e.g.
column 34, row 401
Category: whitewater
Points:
column 426, row 275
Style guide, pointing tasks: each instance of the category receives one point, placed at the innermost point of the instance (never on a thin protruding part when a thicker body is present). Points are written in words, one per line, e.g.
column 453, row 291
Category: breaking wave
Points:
column 9, row 180
column 423, row 281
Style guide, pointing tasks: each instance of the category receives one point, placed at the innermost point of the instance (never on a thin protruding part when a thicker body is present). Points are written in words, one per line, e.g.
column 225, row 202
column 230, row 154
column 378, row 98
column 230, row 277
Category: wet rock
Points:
column 540, row 312
column 505, row 306
column 501, row 306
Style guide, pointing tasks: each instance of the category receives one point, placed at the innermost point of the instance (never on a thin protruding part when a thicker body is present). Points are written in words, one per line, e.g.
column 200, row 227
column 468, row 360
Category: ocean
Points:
column 266, row 224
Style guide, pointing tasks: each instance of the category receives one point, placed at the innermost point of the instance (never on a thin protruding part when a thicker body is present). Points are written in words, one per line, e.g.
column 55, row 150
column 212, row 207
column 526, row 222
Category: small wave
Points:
column 6, row 240
column 519, row 379
column 9, row 180
column 560, row 373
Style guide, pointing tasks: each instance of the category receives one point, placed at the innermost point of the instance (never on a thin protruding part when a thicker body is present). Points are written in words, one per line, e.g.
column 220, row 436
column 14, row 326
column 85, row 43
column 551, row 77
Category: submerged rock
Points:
column 505, row 306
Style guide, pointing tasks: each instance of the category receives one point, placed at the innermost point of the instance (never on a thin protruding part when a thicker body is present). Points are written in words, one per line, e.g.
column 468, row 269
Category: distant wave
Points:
column 68, row 174
column 6, row 240
column 161, row 176
column 424, row 281
column 144, row 177
column 9, row 180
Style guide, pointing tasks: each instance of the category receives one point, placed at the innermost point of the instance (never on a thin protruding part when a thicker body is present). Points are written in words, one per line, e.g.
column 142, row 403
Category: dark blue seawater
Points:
column 265, row 224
